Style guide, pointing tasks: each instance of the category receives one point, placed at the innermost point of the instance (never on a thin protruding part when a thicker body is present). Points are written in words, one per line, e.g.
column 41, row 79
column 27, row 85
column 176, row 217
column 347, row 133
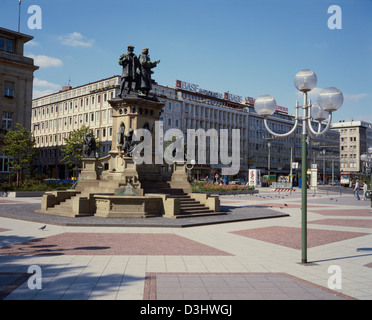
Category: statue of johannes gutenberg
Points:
column 136, row 70
column 129, row 61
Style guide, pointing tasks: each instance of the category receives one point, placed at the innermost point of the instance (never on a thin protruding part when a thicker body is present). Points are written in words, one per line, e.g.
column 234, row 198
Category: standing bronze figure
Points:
column 129, row 61
column 146, row 65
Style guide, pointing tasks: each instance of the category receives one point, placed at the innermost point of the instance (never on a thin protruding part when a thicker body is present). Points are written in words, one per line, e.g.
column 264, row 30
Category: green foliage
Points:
column 19, row 147
column 73, row 148
column 34, row 185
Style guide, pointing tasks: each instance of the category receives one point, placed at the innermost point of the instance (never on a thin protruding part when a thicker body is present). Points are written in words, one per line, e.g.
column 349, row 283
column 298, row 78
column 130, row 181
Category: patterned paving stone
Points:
column 291, row 236
column 230, row 286
column 345, row 212
column 356, row 223
column 112, row 244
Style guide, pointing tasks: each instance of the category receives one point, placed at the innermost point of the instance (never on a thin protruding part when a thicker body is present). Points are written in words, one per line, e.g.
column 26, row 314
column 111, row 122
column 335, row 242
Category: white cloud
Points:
column 76, row 39
column 45, row 61
column 32, row 43
column 46, row 84
column 355, row 97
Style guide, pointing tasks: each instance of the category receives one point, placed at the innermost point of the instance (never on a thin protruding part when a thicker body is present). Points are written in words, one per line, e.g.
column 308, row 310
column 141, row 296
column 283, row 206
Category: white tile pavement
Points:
column 123, row 277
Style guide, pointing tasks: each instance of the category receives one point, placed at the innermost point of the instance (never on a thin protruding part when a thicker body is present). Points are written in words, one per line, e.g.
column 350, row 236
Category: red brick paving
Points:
column 3, row 229
column 274, row 205
column 9, row 201
column 291, row 237
column 356, row 223
column 112, row 244
column 345, row 212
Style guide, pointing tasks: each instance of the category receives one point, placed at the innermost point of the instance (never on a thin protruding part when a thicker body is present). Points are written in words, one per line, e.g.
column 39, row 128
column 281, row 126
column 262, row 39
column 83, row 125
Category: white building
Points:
column 355, row 139
column 186, row 107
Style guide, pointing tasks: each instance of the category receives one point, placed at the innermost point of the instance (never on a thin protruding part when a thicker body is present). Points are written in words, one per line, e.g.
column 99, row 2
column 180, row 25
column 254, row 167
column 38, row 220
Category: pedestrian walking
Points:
column 356, row 190
column 365, row 188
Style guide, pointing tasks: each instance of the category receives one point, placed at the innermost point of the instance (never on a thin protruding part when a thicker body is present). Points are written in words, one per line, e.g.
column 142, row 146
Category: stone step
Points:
column 191, row 215
column 196, row 211
column 191, row 205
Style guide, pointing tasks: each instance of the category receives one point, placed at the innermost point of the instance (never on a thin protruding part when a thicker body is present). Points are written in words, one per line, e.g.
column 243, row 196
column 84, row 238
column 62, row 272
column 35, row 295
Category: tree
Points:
column 19, row 147
column 73, row 148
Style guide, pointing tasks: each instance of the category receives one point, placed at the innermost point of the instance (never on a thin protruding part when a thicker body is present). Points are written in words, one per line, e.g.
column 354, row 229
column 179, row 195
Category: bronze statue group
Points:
column 136, row 70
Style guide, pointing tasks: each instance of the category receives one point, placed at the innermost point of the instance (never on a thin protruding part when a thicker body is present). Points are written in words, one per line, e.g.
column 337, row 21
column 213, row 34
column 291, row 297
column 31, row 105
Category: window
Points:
column 6, row 44
column 8, row 89
column 3, row 163
column 7, row 120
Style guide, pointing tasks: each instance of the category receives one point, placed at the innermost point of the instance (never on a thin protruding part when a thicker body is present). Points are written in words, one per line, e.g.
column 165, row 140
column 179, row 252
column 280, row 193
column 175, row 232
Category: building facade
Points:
column 16, row 79
column 186, row 107
column 355, row 139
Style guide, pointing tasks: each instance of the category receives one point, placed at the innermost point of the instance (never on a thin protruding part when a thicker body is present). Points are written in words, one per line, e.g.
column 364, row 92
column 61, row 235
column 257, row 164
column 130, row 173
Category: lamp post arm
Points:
column 320, row 132
column 281, row 135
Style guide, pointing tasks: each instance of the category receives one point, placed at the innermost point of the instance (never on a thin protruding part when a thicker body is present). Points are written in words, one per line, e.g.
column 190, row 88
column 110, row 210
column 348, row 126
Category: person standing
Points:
column 356, row 190
column 365, row 188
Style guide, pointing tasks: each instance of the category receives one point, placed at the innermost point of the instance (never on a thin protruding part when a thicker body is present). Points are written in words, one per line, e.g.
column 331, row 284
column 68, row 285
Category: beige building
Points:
column 186, row 107
column 355, row 139
column 16, row 79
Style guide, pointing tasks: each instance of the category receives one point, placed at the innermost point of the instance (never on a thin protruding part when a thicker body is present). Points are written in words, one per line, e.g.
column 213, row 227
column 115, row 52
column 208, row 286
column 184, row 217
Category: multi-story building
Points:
column 16, row 79
column 355, row 139
column 186, row 107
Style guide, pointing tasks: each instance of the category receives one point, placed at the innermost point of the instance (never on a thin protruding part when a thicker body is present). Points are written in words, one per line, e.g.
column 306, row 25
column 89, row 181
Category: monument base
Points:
column 89, row 169
column 128, row 206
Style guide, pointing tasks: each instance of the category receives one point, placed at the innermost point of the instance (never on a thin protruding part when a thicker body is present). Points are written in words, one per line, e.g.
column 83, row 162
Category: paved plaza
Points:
column 253, row 252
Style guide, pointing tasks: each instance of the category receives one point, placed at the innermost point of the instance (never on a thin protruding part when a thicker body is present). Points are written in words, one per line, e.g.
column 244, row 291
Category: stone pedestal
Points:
column 89, row 169
column 179, row 178
column 128, row 206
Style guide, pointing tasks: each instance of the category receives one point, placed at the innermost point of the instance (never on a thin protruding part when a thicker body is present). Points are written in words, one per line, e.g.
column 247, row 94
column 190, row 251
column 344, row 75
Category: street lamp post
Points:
column 329, row 100
column 269, row 160
column 367, row 161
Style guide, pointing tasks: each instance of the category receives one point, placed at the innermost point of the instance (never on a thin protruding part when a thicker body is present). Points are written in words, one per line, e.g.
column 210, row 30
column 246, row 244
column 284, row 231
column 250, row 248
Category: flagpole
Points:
column 19, row 16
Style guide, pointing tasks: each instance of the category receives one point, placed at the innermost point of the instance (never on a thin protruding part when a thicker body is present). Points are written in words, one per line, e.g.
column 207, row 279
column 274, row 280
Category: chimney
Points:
column 66, row 88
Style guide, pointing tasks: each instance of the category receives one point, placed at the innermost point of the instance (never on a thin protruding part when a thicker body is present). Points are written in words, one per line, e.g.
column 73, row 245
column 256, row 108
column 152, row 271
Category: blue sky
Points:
column 247, row 47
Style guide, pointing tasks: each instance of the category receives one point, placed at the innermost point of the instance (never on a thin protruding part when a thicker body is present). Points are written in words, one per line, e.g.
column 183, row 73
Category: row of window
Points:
column 71, row 106
column 350, row 131
column 348, row 165
column 348, row 148
column 212, row 113
column 67, row 122
column 50, row 139
column 54, row 153
column 351, row 139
